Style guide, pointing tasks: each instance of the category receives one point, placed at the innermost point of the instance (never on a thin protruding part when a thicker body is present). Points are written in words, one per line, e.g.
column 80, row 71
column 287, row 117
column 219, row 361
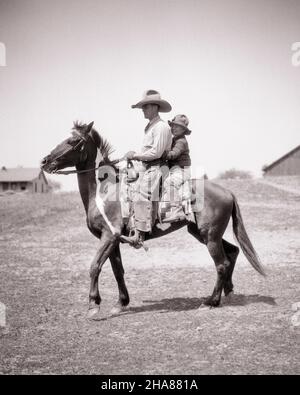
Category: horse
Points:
column 104, row 218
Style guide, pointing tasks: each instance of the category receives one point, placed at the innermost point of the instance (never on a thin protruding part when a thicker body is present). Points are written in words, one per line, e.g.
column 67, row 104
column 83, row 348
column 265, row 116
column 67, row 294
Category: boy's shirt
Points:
column 180, row 153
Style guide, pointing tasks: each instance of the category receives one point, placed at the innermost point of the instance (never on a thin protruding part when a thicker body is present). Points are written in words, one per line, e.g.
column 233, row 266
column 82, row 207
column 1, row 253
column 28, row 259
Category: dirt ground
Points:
column 46, row 252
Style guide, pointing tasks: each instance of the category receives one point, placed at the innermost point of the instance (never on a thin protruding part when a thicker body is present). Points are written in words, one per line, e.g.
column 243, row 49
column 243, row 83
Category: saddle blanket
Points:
column 160, row 209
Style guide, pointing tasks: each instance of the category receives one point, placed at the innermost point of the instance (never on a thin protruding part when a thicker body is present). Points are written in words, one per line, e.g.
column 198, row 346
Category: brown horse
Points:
column 104, row 218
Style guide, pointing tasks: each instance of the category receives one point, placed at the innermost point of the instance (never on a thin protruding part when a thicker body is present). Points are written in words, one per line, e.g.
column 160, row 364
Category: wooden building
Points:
column 23, row 179
column 287, row 165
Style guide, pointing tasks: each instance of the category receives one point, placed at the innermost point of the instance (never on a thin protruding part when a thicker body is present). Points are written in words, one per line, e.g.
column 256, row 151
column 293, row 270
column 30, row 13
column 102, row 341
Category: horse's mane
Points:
column 104, row 146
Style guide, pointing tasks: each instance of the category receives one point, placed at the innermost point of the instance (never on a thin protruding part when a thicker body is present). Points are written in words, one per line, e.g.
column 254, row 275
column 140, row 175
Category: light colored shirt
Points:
column 157, row 140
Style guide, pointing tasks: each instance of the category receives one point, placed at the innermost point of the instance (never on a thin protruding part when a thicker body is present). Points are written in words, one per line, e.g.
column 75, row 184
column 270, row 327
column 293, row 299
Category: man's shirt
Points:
column 157, row 140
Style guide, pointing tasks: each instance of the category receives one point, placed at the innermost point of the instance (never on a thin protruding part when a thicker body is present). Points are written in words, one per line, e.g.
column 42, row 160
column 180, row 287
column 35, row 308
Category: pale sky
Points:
column 226, row 64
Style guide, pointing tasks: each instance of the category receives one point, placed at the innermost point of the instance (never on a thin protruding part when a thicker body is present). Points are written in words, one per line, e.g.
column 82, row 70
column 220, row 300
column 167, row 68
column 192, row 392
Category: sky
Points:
column 227, row 65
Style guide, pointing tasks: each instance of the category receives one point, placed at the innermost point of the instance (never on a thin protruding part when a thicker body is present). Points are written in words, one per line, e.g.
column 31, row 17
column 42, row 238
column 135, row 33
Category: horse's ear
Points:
column 89, row 127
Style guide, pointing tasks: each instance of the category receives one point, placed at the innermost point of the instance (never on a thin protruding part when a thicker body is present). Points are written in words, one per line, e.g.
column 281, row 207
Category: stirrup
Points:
column 172, row 219
column 134, row 241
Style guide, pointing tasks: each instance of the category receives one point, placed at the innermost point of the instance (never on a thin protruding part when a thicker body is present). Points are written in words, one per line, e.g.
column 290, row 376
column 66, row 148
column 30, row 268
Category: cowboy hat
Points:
column 153, row 97
column 181, row 120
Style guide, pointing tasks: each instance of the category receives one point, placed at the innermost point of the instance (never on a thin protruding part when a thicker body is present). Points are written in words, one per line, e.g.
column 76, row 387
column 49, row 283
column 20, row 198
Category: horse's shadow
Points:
column 185, row 304
column 167, row 305
column 244, row 300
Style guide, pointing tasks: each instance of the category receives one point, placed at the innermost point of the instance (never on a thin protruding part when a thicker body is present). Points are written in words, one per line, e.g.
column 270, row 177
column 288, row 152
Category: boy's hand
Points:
column 164, row 156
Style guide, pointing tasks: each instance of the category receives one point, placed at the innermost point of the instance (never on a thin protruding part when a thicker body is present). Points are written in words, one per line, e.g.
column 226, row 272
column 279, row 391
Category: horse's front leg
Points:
column 107, row 244
column 117, row 267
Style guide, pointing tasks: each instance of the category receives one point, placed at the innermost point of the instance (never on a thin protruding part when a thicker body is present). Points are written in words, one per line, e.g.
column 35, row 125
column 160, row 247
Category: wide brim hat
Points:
column 153, row 97
column 181, row 120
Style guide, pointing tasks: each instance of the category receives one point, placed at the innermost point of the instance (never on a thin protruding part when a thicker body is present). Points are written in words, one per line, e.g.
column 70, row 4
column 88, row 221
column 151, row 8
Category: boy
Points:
column 179, row 162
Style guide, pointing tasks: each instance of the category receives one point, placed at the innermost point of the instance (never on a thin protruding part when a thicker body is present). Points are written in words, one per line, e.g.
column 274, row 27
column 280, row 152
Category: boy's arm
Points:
column 177, row 150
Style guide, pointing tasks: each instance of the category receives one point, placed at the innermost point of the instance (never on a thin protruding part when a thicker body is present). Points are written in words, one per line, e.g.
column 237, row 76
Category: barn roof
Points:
column 269, row 167
column 19, row 174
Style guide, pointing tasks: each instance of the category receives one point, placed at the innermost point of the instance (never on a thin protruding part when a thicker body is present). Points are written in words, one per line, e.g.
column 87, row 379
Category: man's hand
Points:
column 129, row 155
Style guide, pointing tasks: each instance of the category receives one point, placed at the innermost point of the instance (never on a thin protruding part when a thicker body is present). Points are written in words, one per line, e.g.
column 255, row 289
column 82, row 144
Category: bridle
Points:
column 80, row 145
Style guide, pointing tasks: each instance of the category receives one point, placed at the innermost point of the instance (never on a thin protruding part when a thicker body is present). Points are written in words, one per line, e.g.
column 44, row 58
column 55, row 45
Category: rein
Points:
column 66, row 172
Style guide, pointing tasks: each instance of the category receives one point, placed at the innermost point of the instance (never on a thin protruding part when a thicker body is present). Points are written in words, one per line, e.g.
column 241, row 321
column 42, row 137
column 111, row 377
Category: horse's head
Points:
column 77, row 150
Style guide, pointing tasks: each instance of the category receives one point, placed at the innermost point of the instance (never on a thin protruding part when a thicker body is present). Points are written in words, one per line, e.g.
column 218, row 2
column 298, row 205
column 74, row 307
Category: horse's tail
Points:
column 243, row 238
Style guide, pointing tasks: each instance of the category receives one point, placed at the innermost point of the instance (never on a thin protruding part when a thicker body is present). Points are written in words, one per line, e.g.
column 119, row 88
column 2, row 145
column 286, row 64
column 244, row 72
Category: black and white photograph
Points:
column 149, row 190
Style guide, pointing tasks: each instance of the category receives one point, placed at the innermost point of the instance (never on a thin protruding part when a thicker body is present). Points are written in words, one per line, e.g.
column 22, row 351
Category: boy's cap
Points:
column 181, row 120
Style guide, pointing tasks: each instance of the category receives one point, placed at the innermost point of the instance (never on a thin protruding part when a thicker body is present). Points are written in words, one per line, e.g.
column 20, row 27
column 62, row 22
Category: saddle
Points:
column 160, row 210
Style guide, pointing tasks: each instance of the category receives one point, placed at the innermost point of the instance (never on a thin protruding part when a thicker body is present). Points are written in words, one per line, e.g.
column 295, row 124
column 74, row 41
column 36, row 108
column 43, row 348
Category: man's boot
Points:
column 142, row 220
column 136, row 239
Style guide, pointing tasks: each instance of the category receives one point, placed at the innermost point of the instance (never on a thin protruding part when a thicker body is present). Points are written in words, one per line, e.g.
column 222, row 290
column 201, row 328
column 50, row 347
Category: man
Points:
column 157, row 140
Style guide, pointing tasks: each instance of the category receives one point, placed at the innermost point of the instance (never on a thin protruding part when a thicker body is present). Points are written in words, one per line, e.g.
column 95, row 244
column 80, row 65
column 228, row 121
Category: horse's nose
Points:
column 44, row 161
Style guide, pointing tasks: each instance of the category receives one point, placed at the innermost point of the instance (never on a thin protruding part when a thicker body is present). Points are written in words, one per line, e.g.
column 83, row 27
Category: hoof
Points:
column 228, row 290
column 203, row 308
column 93, row 313
column 116, row 310
column 212, row 302
column 229, row 296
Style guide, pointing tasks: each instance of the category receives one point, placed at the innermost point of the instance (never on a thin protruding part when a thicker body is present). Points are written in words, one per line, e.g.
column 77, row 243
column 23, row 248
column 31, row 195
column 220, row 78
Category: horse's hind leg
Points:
column 217, row 252
column 214, row 244
column 232, row 253
column 117, row 267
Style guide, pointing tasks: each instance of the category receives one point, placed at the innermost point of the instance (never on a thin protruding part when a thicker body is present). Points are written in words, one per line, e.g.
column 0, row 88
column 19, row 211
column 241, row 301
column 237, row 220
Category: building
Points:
column 287, row 165
column 23, row 179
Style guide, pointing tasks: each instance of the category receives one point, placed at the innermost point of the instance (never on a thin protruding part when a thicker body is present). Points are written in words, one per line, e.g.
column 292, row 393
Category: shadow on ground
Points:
column 186, row 304
column 243, row 300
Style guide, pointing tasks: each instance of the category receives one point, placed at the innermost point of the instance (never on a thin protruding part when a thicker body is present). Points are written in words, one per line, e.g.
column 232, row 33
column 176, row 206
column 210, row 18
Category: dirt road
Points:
column 46, row 251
